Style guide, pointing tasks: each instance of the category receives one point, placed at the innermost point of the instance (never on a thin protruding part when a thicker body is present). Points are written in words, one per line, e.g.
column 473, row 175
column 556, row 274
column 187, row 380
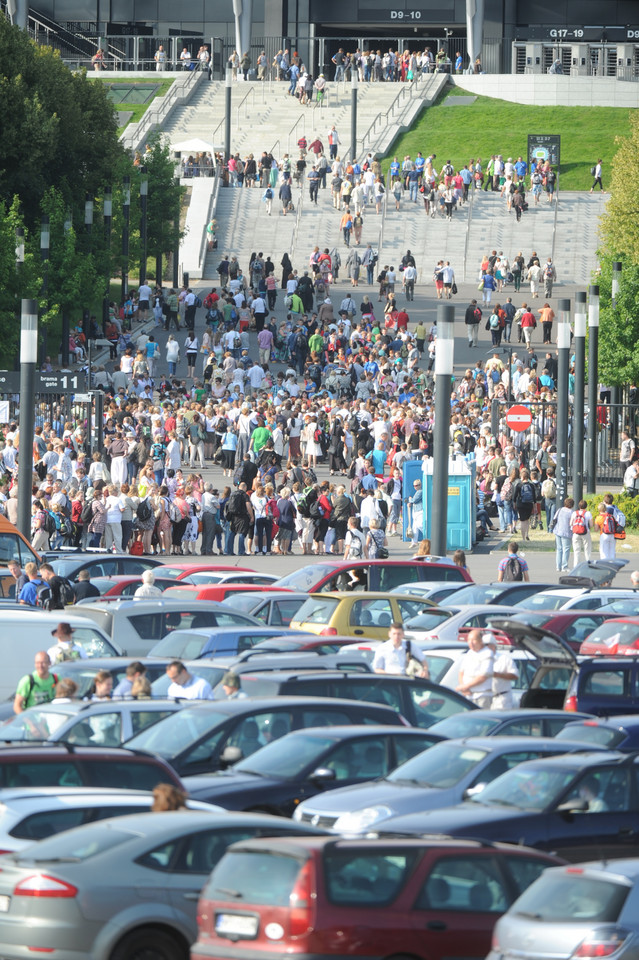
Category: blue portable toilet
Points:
column 411, row 471
column 462, row 506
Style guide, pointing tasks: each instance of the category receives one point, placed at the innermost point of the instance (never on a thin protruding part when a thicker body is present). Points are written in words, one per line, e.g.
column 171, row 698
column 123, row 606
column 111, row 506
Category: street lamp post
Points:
column 593, row 386
column 144, row 194
column 66, row 327
column 444, row 353
column 28, row 361
column 19, row 249
column 107, row 212
column 354, row 86
column 578, row 405
column 615, row 391
column 126, row 219
column 563, row 343
column 45, row 247
column 227, row 114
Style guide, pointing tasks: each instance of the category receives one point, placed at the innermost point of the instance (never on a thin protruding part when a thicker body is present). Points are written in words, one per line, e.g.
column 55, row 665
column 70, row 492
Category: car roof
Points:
column 283, row 675
column 48, row 749
column 625, row 721
column 261, row 595
column 154, row 604
column 258, row 630
column 306, row 844
column 204, row 567
column 89, row 793
column 343, row 731
column 628, row 868
column 524, row 713
column 583, row 758
column 367, row 595
column 506, row 744
column 249, row 704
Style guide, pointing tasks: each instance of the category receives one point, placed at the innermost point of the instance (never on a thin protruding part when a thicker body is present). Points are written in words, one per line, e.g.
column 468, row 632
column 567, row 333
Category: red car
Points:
column 380, row 575
column 617, row 635
column 217, row 591
column 189, row 568
column 573, row 626
column 333, row 898
column 125, row 585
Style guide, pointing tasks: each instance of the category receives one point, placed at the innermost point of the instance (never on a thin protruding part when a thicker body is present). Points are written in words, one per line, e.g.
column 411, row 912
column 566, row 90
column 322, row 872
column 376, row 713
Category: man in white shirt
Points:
column 144, row 296
column 476, row 672
column 65, row 648
column 392, row 656
column 185, row 685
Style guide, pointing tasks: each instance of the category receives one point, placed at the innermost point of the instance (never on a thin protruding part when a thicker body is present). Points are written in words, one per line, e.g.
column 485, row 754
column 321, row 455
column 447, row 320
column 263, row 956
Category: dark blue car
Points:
column 613, row 733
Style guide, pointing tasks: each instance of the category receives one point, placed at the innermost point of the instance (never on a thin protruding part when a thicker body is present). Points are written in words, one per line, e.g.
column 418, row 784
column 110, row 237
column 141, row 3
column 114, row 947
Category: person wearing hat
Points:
column 65, row 648
column 231, row 686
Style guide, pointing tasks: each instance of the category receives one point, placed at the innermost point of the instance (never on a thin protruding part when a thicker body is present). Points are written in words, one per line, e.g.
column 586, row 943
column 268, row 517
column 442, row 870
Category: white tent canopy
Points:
column 195, row 145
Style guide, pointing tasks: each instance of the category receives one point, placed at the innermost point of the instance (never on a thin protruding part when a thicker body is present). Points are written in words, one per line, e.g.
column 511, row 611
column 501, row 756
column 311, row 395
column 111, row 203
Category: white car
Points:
column 449, row 663
column 456, row 627
column 28, row 814
column 578, row 598
column 438, row 590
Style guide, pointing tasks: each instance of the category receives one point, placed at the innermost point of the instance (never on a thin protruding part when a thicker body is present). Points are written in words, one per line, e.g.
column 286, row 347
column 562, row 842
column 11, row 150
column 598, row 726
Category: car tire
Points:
column 148, row 943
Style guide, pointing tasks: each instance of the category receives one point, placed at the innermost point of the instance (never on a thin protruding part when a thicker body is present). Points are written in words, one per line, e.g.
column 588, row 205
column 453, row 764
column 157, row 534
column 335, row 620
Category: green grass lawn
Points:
column 487, row 126
column 139, row 109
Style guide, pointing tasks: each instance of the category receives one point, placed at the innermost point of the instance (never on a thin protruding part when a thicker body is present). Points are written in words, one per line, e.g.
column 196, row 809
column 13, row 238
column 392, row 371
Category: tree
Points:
column 620, row 223
column 163, row 202
column 618, row 325
column 17, row 281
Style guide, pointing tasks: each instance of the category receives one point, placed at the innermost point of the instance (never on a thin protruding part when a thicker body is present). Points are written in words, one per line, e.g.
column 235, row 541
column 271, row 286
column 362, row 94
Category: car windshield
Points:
column 615, row 633
column 105, row 583
column 442, row 765
column 287, row 757
column 242, row 602
column 206, row 576
column 181, row 644
column 437, row 666
column 591, row 733
column 558, row 898
column 532, row 619
column 544, row 601
column 427, row 620
column 168, row 739
column 172, row 573
column 478, row 593
column 317, row 610
column 532, row 788
column 37, row 723
column 465, row 725
column 86, row 842
column 306, row 578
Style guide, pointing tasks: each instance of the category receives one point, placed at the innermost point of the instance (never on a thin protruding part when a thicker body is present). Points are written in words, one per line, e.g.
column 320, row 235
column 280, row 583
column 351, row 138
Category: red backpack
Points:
column 609, row 525
column 579, row 523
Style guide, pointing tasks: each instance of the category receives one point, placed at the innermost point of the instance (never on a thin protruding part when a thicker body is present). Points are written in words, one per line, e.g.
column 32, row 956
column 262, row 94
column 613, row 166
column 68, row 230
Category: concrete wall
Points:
column 543, row 90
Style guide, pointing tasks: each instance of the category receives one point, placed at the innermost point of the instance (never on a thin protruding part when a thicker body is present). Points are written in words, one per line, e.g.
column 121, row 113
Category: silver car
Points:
column 123, row 889
column 590, row 910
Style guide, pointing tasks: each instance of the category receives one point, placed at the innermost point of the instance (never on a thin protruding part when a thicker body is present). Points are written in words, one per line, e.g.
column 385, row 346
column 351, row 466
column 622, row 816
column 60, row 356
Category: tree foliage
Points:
column 164, row 198
column 620, row 224
column 618, row 325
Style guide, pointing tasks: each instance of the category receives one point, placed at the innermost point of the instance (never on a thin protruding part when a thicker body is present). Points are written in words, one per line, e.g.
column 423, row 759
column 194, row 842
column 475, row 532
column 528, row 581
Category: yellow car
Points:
column 358, row 614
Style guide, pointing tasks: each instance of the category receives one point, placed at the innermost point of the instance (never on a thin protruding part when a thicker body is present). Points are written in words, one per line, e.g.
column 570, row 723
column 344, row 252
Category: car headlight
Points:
column 357, row 821
column 297, row 813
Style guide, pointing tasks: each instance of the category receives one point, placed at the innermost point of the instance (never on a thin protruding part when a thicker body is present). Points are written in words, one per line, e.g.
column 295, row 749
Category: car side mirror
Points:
column 229, row 756
column 322, row 775
column 578, row 805
column 473, row 791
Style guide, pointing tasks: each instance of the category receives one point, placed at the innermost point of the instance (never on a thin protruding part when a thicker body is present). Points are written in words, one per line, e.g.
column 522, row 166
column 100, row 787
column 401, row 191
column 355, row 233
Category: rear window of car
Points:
column 591, row 733
column 317, row 610
column 260, row 878
column 366, row 878
column 559, row 898
column 46, row 773
column 132, row 775
column 614, row 633
column 94, row 839
column 607, row 683
column 465, row 725
column 38, row 826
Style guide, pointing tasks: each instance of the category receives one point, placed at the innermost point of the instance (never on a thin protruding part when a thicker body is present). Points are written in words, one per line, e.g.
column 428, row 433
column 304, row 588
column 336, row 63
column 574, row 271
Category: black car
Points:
column 582, row 806
column 421, row 702
column 521, row 722
column 508, row 593
column 201, row 742
column 307, row 762
column 614, row 733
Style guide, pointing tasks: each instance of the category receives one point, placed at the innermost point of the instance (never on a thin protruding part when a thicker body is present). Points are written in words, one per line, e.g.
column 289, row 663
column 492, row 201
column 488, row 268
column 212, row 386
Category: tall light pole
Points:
column 563, row 365
column 66, row 327
column 593, row 386
column 615, row 392
column 28, row 361
column 107, row 212
column 227, row 114
column 444, row 354
column 126, row 219
column 354, row 86
column 45, row 248
column 578, row 405
column 88, row 216
column 144, row 195
column 19, row 248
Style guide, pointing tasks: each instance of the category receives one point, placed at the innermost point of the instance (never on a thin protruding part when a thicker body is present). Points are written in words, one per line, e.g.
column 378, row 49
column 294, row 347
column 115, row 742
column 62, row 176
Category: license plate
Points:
column 236, row 925
column 4, row 904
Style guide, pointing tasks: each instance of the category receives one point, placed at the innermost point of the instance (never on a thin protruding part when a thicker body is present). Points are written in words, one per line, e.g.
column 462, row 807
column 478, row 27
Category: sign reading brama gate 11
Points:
column 544, row 147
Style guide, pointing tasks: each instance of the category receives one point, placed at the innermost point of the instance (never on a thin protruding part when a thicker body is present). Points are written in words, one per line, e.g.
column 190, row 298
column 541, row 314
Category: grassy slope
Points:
column 139, row 109
column 459, row 133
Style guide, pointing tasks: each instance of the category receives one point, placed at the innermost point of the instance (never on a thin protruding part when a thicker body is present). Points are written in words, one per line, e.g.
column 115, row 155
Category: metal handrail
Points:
column 468, row 223
column 250, row 93
column 301, row 119
column 214, row 134
column 211, row 214
column 297, row 219
column 276, row 144
column 554, row 224
column 152, row 116
column 380, row 242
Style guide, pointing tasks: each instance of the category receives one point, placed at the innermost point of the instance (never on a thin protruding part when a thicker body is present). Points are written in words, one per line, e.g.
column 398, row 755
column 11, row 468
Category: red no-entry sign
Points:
column 519, row 417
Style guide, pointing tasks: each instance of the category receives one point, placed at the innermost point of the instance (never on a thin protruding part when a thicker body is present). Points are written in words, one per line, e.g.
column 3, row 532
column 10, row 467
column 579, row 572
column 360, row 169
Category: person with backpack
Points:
column 65, row 648
column 581, row 524
column 524, row 498
column 40, row 526
column 561, row 527
column 96, row 517
column 28, row 595
column 607, row 524
column 513, row 567
column 56, row 592
column 239, row 513
column 36, row 687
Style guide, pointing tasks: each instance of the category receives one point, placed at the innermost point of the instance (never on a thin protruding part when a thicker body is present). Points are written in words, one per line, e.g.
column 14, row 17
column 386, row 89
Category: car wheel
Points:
column 148, row 943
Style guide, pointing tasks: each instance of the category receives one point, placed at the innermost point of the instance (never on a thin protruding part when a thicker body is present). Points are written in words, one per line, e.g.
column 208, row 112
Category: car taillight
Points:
column 300, row 902
column 602, row 943
column 328, row 632
column 41, row 885
column 571, row 704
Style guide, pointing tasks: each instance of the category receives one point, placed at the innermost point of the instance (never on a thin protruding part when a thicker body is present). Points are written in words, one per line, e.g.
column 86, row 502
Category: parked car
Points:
column 443, row 775
column 521, row 722
column 618, row 635
column 290, row 642
column 573, row 626
column 101, row 564
column 614, row 733
column 508, row 592
column 92, row 723
column 332, row 575
column 580, row 598
column 274, row 608
column 230, row 586
column 586, row 911
column 139, row 624
column 125, row 584
column 214, row 641
column 458, row 624
column 198, row 573
column 367, row 614
column 419, row 701
column 437, row 591
column 305, row 763
column 600, row 685
column 53, row 764
column 28, row 815
column 195, row 740
column 579, row 805
column 13, row 546
column 24, row 631
column 325, row 897
column 121, row 889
